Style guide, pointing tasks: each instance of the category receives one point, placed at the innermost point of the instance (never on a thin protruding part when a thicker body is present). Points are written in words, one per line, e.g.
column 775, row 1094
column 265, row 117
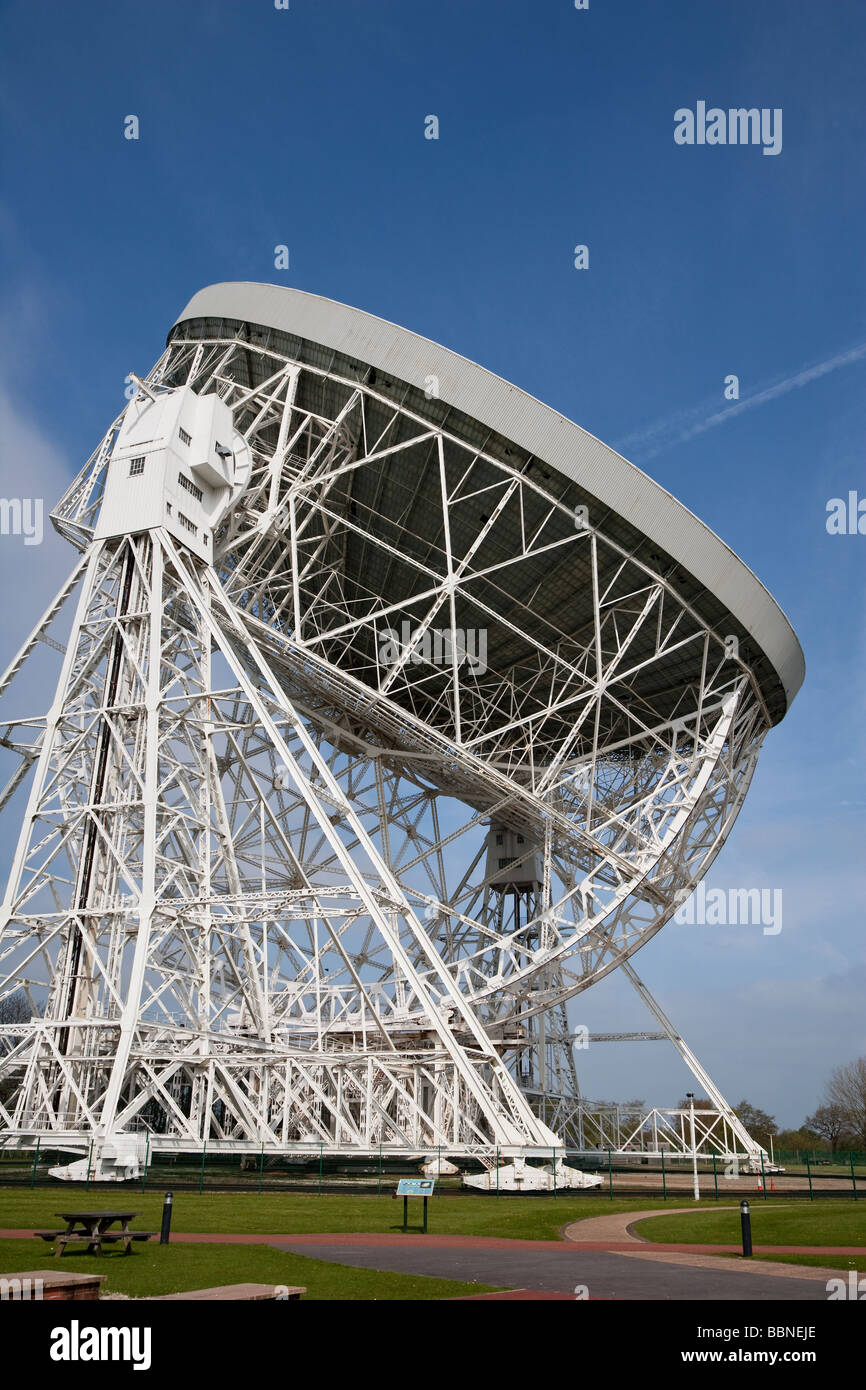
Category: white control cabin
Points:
column 176, row 463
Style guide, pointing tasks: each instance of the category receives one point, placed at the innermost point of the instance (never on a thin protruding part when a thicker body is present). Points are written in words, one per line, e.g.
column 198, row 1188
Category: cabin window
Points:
column 189, row 486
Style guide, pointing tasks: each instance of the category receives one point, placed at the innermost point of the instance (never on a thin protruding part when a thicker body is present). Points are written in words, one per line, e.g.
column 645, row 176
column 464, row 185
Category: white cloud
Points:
column 31, row 467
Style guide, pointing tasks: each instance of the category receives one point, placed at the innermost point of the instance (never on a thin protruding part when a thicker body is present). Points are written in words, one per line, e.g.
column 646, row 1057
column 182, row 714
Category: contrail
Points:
column 685, row 424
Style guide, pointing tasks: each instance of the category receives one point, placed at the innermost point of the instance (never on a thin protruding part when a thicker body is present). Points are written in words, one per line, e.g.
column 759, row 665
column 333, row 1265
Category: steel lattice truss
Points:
column 252, row 899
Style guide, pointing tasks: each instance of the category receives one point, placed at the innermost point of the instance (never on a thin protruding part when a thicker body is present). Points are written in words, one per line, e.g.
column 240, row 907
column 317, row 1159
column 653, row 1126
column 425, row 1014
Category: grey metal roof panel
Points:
column 533, row 427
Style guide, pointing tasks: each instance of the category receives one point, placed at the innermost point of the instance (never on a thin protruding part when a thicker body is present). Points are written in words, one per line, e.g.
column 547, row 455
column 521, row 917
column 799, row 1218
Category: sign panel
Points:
column 415, row 1187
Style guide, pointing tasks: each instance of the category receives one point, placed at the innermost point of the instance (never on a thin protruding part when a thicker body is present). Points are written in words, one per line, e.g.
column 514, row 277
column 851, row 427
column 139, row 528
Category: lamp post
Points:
column 691, row 1099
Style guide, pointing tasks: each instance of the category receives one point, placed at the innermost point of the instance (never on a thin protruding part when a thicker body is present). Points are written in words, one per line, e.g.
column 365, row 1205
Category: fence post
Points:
column 809, row 1175
column 853, row 1174
column 715, row 1177
column 261, row 1166
column 554, row 1172
column 89, row 1157
column 763, row 1177
column 610, row 1172
column 497, row 1170
column 35, row 1161
column 201, row 1173
column 321, row 1147
column 664, row 1179
column 379, row 1185
column 146, row 1160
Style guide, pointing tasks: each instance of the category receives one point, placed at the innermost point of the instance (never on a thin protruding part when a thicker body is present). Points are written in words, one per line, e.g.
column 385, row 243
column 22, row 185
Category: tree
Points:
column 13, row 1009
column 802, row 1140
column 829, row 1123
column 631, row 1112
column 760, row 1125
column 699, row 1104
column 846, row 1090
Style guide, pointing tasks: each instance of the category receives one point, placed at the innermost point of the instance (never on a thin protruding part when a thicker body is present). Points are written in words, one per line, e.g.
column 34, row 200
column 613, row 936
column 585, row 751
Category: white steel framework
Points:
column 252, row 900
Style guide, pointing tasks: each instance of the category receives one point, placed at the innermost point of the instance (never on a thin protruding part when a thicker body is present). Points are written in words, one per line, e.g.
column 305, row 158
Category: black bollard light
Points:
column 746, row 1226
column 166, row 1219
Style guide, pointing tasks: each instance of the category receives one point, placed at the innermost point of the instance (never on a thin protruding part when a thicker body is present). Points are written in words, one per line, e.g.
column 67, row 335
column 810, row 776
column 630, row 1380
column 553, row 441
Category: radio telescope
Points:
column 393, row 711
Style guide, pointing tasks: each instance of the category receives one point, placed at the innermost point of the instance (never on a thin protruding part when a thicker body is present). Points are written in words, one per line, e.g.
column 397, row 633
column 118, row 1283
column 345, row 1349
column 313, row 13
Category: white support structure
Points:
column 324, row 647
column 718, row 1130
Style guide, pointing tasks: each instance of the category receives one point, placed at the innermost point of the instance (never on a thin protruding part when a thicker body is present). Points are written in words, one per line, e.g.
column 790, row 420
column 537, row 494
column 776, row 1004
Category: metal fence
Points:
column 667, row 1176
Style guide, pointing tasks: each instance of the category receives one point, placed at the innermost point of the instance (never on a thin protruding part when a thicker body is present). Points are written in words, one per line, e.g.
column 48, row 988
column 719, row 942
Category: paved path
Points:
column 775, row 1269
column 618, row 1226
column 604, row 1267
column 560, row 1267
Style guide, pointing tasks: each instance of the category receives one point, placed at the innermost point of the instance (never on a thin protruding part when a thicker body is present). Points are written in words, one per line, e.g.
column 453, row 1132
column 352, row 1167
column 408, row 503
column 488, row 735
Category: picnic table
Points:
column 94, row 1227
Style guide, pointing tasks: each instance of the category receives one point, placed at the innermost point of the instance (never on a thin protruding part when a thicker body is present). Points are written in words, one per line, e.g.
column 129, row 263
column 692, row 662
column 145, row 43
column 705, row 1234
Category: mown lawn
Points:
column 521, row 1218
column 807, row 1223
column 156, row 1269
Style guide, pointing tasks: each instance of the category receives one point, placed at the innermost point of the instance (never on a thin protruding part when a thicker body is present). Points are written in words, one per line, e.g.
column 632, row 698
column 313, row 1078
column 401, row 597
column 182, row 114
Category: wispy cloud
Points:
column 30, row 467
column 685, row 424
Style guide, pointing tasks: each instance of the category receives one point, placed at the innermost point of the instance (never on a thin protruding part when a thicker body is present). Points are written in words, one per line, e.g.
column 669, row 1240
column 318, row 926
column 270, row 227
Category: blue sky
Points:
column 306, row 127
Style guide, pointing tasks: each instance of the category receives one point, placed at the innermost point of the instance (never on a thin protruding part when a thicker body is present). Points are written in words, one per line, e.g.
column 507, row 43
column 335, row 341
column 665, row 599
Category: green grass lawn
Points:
column 521, row 1218
column 155, row 1269
column 808, row 1223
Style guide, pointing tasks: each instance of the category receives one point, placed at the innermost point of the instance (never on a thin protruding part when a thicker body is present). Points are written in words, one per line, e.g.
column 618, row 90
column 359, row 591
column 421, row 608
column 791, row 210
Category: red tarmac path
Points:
column 433, row 1241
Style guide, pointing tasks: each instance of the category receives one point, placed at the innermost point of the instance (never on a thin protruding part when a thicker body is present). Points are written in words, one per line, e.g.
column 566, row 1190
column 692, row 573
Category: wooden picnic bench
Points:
column 94, row 1228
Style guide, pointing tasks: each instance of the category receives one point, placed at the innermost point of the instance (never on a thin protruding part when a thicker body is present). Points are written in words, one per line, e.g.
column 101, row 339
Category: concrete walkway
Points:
column 618, row 1226
column 616, row 1264
column 569, row 1270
